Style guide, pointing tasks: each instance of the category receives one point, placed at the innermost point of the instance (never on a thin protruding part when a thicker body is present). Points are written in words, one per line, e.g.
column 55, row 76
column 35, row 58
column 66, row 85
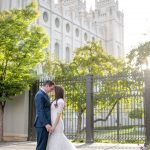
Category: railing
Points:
column 119, row 108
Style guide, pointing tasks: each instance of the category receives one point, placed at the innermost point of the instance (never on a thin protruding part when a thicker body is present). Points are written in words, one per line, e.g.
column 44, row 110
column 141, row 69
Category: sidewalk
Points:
column 80, row 146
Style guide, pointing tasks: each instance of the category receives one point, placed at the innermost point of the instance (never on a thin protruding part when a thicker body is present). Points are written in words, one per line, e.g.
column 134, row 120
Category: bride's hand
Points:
column 52, row 129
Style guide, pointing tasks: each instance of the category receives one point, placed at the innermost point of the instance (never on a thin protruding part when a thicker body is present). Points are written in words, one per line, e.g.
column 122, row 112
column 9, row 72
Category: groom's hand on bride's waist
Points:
column 48, row 128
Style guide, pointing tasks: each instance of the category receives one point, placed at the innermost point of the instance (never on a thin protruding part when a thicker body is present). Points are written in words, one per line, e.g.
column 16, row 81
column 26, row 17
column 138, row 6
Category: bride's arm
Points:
column 56, row 121
column 59, row 112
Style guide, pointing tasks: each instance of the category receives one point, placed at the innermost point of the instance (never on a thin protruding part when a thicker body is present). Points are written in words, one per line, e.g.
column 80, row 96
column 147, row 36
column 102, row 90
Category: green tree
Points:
column 88, row 59
column 21, row 49
column 137, row 113
column 93, row 59
column 52, row 67
column 139, row 56
column 137, row 60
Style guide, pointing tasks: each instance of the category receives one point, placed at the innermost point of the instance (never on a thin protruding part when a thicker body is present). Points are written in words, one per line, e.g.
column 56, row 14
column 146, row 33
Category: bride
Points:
column 57, row 140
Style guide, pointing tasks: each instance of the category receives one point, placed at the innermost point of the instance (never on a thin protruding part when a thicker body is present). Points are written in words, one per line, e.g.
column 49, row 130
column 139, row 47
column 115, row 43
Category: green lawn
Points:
column 128, row 134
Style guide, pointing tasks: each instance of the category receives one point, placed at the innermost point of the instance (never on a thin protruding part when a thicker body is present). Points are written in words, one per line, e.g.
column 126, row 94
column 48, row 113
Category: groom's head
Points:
column 48, row 86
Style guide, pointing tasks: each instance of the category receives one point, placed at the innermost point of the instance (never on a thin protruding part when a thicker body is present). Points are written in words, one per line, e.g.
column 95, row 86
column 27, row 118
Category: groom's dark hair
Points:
column 48, row 82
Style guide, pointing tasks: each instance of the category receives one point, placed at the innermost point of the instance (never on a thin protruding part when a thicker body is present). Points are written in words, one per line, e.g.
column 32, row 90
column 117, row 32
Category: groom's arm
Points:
column 40, row 110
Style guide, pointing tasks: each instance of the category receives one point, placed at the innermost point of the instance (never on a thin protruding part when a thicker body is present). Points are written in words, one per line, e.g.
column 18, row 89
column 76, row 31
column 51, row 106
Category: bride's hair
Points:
column 59, row 93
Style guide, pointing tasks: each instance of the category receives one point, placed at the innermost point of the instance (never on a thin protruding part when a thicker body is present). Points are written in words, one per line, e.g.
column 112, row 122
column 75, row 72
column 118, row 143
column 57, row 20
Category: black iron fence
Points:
column 104, row 108
column 74, row 115
column 119, row 108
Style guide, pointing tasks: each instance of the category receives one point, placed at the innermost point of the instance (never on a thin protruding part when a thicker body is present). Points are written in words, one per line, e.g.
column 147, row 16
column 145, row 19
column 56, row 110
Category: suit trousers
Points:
column 42, row 137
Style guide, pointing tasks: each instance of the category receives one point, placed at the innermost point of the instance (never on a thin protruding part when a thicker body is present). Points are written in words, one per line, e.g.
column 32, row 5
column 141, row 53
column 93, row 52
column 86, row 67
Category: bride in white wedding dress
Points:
column 57, row 140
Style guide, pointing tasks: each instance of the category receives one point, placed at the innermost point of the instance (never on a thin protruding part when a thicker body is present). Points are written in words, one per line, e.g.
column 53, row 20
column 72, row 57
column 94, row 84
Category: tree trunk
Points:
column 1, row 120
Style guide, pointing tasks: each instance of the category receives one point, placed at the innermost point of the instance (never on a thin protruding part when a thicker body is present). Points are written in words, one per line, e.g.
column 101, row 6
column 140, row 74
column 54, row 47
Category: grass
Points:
column 126, row 134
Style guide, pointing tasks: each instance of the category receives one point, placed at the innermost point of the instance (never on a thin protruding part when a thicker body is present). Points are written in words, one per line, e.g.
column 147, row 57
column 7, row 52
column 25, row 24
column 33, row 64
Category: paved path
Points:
column 80, row 146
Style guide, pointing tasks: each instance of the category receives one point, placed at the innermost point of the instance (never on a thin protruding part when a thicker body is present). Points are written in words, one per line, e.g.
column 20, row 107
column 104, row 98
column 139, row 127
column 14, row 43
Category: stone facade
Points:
column 69, row 25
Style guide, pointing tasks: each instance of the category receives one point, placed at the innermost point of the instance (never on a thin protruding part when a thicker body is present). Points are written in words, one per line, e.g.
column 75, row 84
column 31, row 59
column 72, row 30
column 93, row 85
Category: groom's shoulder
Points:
column 39, row 93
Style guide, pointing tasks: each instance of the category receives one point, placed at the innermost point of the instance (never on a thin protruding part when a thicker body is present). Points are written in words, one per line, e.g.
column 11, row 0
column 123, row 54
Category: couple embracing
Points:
column 48, row 122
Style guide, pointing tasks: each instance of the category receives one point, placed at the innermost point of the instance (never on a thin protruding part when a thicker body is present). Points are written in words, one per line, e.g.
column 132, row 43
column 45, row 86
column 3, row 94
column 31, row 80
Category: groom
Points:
column 43, row 121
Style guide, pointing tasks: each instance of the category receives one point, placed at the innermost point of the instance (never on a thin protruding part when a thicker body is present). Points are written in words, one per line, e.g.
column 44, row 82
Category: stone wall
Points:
column 16, row 118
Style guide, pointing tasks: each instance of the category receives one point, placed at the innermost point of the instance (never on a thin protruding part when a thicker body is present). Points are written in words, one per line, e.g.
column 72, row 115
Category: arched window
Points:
column 119, row 51
column 67, row 27
column 56, row 50
column 67, row 55
column 110, row 11
column 45, row 16
column 85, row 36
column 57, row 22
column 93, row 38
column 77, row 32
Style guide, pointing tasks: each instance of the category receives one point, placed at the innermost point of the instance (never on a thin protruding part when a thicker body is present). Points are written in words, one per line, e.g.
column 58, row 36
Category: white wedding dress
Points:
column 57, row 140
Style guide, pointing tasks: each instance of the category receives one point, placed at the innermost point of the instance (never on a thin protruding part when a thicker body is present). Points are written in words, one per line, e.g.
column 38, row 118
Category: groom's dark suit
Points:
column 42, row 105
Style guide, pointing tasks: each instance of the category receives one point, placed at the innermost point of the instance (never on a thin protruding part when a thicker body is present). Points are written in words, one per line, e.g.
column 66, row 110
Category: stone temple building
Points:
column 70, row 25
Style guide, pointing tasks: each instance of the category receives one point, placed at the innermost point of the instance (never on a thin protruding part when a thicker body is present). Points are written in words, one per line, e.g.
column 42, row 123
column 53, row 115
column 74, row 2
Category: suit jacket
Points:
column 42, row 105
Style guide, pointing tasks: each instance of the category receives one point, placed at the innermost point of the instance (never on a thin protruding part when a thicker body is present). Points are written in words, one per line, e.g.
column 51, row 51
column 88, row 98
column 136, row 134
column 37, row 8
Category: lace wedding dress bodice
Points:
column 57, row 140
column 54, row 111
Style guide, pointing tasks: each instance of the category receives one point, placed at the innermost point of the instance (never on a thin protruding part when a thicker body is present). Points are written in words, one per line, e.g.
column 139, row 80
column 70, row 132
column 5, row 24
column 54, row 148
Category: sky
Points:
column 136, row 21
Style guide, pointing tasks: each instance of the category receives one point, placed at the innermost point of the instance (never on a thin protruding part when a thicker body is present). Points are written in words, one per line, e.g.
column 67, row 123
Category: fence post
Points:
column 118, row 118
column 89, row 109
column 31, row 130
column 147, row 106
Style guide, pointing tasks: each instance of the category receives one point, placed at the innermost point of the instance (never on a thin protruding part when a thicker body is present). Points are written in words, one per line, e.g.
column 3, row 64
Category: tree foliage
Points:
column 93, row 59
column 139, row 56
column 21, row 49
column 90, row 58
column 137, row 113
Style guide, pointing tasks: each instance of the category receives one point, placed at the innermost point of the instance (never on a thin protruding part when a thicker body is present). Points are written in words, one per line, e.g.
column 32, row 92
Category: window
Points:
column 67, row 55
column 77, row 32
column 56, row 50
column 110, row 11
column 85, row 36
column 93, row 38
column 119, row 51
column 67, row 27
column 57, row 22
column 45, row 16
column 118, row 15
